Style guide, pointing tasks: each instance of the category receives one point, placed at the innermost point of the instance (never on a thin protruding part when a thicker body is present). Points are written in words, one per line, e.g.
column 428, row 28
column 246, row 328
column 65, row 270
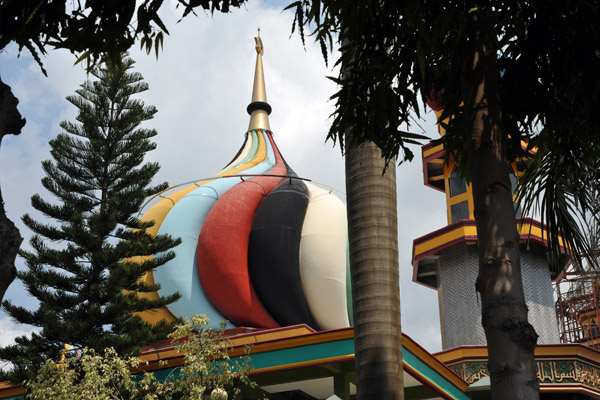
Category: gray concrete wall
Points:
column 460, row 305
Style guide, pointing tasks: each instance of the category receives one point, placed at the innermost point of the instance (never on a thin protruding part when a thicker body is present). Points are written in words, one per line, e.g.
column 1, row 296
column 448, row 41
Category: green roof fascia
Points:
column 323, row 353
column 328, row 352
column 434, row 378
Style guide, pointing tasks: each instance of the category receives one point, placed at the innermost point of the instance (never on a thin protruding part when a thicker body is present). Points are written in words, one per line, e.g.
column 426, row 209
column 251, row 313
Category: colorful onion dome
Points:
column 260, row 246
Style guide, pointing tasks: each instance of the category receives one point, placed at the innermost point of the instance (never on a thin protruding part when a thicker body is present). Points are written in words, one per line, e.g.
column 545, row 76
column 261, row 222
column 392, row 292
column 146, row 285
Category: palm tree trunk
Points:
column 511, row 339
column 373, row 236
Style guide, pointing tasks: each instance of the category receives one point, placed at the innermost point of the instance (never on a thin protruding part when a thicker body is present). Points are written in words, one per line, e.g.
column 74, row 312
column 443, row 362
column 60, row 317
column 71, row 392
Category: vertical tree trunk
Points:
column 10, row 239
column 511, row 339
column 372, row 228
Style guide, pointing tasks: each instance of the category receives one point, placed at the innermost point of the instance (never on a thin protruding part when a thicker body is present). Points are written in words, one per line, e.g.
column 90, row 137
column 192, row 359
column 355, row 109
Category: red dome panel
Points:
column 223, row 249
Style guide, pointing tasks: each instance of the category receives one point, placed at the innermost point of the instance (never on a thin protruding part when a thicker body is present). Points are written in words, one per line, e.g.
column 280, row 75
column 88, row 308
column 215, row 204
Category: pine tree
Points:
column 99, row 246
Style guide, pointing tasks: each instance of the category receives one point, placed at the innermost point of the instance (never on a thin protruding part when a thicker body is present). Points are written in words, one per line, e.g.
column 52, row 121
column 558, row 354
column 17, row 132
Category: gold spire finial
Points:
column 259, row 109
column 259, row 45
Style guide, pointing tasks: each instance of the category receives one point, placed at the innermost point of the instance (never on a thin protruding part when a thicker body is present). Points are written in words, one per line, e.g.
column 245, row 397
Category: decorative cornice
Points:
column 559, row 367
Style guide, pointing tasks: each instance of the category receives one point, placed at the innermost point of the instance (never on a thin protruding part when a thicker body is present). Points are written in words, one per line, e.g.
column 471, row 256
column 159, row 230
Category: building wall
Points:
column 460, row 304
column 539, row 296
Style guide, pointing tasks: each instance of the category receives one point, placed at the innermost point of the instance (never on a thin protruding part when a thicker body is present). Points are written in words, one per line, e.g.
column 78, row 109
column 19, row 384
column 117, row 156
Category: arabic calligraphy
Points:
column 548, row 372
column 471, row 371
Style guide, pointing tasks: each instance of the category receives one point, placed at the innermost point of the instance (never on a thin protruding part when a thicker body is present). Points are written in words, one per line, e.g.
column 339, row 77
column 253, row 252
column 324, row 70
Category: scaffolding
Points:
column 578, row 308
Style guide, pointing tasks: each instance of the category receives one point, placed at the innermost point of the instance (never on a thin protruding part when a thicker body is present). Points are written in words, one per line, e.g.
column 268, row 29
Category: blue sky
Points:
column 201, row 85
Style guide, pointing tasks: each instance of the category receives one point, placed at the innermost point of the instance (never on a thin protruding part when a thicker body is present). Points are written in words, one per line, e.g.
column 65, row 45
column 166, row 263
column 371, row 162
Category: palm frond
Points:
column 561, row 187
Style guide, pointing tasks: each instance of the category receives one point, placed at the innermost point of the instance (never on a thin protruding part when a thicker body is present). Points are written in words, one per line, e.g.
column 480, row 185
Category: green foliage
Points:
column 91, row 28
column 397, row 55
column 99, row 182
column 378, row 75
column 91, row 376
column 206, row 369
column 207, row 366
column 564, row 185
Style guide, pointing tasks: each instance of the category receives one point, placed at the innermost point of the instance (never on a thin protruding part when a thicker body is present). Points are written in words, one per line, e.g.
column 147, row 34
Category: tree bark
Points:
column 511, row 339
column 373, row 236
column 11, row 122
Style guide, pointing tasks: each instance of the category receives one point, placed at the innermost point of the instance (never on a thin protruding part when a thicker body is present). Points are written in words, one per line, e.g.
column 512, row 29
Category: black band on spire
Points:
column 259, row 105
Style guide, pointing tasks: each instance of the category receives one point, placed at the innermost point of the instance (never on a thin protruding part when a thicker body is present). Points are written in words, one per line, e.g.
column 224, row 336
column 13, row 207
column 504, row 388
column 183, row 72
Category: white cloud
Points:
column 9, row 331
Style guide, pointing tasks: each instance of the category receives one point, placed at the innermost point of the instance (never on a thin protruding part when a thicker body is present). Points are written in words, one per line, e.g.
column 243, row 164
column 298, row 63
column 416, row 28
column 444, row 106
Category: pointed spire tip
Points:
column 259, row 109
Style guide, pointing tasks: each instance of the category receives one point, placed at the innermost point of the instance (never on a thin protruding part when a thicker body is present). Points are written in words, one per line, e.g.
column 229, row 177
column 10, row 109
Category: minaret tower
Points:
column 447, row 259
